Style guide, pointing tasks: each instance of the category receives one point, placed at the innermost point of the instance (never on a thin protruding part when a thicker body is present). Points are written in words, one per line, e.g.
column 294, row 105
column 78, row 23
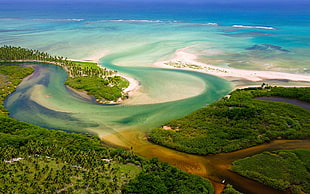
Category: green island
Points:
column 238, row 121
column 103, row 84
column 38, row 160
column 282, row 169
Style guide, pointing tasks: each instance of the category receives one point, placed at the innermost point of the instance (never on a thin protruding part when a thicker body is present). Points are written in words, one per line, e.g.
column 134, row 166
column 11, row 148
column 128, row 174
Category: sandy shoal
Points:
column 183, row 57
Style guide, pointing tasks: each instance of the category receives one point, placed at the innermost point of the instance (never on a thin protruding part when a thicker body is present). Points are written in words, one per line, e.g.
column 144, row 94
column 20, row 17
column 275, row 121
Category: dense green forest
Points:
column 8, row 53
column 230, row 190
column 10, row 77
column 37, row 160
column 282, row 169
column 82, row 75
column 299, row 93
column 104, row 90
column 238, row 121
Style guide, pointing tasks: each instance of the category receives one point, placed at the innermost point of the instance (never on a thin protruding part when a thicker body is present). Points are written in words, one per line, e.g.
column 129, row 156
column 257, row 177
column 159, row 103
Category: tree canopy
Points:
column 238, row 121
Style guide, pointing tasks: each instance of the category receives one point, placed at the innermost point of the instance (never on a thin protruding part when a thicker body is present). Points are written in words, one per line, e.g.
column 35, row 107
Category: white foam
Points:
column 212, row 24
column 135, row 21
column 59, row 20
column 254, row 27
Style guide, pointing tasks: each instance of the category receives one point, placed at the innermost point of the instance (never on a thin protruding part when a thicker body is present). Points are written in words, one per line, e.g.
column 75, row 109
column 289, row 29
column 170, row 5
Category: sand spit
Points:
column 188, row 61
column 133, row 84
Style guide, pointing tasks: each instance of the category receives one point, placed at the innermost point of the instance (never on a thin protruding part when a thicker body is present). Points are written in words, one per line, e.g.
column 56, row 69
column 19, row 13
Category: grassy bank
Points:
column 282, row 170
column 238, row 121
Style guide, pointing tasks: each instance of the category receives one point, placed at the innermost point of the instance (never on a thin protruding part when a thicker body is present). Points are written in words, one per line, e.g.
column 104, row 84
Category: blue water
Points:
column 228, row 13
column 57, row 27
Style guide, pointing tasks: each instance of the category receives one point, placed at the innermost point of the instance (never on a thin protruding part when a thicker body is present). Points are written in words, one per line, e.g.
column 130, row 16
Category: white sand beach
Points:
column 187, row 61
column 133, row 84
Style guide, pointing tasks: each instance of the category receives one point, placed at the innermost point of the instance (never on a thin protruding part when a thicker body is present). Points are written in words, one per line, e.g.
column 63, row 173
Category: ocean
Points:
column 248, row 35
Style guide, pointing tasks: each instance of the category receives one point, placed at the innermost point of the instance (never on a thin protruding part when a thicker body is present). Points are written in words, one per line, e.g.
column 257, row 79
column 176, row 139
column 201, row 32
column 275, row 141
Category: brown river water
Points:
column 212, row 167
column 216, row 167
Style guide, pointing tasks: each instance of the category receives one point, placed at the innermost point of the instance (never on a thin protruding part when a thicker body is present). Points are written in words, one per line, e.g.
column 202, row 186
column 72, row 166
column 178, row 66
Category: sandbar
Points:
column 188, row 61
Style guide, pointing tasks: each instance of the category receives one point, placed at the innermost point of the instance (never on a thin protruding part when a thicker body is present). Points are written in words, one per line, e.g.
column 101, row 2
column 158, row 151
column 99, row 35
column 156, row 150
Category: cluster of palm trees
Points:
column 11, row 53
column 8, row 53
column 75, row 70
column 62, row 169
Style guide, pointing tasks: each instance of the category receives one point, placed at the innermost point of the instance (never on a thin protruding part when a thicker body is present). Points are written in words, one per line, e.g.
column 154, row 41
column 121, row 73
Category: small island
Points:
column 105, row 85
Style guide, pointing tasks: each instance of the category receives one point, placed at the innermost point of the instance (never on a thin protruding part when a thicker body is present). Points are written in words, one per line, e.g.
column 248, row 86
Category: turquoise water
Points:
column 130, row 37
column 150, row 31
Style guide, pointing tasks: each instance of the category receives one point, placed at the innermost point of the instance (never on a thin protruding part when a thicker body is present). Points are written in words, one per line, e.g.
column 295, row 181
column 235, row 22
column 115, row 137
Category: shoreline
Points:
column 133, row 83
column 132, row 87
column 188, row 61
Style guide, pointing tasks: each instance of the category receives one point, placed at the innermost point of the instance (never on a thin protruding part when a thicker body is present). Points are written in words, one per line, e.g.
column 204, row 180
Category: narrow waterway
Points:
column 213, row 167
column 286, row 100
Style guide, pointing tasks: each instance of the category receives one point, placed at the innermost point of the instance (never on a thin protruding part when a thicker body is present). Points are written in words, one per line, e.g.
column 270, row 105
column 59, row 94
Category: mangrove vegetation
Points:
column 282, row 169
column 238, row 121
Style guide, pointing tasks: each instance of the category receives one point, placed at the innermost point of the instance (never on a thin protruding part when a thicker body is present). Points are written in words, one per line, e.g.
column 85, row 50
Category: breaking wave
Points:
column 135, row 21
column 254, row 27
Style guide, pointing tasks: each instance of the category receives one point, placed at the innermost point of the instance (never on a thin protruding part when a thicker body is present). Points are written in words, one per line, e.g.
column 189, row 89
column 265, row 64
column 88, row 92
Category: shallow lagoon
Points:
column 43, row 99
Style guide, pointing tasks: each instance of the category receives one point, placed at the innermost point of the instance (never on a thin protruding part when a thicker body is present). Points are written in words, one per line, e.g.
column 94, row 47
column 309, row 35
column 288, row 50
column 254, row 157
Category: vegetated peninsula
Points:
column 282, row 169
column 103, row 84
column 238, row 121
column 37, row 160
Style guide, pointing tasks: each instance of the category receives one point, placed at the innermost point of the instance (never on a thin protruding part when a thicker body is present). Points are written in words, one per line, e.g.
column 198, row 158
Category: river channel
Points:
column 42, row 99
